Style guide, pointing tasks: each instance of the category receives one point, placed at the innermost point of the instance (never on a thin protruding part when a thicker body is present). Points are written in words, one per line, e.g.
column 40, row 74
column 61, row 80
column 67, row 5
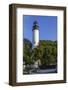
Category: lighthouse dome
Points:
column 35, row 25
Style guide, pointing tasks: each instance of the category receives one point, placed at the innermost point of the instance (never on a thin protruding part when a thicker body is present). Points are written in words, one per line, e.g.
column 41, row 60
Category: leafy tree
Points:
column 48, row 54
column 27, row 47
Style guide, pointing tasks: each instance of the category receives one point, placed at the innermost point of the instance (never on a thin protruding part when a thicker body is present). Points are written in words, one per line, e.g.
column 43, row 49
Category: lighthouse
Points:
column 35, row 34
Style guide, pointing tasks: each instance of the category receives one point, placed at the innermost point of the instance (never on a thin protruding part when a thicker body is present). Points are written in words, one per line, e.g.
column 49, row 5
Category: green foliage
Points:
column 50, row 53
column 46, row 52
column 27, row 47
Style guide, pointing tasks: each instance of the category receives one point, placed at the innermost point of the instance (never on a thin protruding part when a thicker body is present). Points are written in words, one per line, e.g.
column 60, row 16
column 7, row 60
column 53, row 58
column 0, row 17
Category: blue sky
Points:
column 47, row 27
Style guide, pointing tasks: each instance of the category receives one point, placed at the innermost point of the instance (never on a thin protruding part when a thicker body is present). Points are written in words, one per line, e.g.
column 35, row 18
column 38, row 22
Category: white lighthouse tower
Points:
column 35, row 34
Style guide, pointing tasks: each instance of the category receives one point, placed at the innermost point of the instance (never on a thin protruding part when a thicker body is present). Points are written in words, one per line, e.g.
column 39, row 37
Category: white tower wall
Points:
column 35, row 37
